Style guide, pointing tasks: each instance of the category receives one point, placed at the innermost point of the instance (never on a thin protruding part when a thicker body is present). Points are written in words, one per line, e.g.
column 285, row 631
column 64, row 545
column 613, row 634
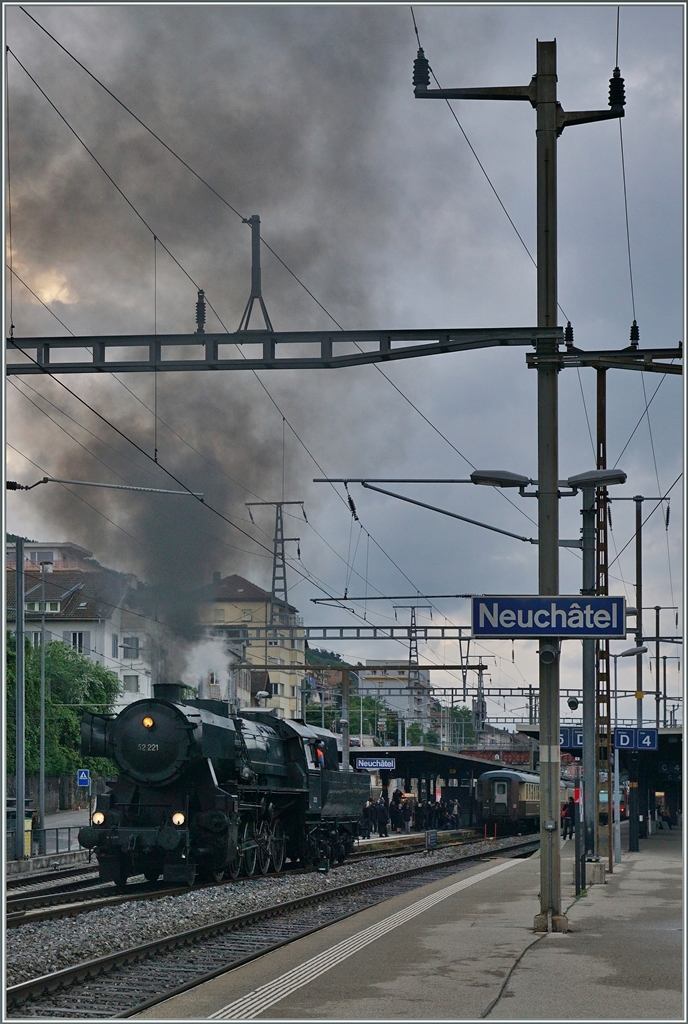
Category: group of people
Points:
column 404, row 814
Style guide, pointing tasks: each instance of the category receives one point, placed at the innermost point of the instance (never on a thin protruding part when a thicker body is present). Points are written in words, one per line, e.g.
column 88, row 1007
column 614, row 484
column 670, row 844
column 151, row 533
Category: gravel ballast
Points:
column 36, row 949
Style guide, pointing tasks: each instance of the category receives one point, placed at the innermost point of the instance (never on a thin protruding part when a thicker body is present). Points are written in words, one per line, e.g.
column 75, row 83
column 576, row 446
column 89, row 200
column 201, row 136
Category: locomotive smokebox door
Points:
column 314, row 791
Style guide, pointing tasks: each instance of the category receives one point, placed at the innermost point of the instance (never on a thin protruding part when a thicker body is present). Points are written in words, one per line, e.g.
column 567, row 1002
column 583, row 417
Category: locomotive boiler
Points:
column 204, row 792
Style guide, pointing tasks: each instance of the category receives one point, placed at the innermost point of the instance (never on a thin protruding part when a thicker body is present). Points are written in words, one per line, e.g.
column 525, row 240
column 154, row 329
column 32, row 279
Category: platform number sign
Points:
column 648, row 739
column 82, row 777
column 636, row 739
column 565, row 736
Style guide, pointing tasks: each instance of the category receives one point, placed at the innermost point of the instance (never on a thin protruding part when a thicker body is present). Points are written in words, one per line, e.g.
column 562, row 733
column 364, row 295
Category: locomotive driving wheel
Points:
column 263, row 836
column 279, row 846
column 248, row 842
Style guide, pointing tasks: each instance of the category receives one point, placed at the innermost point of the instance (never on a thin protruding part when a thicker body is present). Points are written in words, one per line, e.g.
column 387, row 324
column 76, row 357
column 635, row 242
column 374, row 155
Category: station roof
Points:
column 421, row 760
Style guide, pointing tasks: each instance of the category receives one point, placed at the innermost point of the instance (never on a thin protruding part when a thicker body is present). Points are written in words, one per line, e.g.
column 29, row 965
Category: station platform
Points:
column 464, row 948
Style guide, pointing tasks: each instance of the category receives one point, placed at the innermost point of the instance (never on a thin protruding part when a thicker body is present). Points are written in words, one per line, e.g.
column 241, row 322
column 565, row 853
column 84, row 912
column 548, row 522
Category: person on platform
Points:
column 406, row 815
column 567, row 818
column 367, row 819
column 382, row 815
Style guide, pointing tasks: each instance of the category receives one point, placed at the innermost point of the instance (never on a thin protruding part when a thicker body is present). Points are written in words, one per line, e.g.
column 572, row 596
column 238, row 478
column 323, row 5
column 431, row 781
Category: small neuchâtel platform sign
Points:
column 376, row 764
column 557, row 617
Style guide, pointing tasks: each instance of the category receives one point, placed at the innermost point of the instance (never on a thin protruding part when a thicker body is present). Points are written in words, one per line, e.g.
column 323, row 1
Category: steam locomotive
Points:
column 204, row 792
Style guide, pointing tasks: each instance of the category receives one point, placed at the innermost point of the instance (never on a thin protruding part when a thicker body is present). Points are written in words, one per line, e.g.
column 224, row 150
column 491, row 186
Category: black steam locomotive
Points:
column 204, row 792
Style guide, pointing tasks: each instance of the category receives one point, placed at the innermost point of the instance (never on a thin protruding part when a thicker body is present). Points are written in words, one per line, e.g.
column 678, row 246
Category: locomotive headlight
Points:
column 98, row 818
column 178, row 818
column 147, row 722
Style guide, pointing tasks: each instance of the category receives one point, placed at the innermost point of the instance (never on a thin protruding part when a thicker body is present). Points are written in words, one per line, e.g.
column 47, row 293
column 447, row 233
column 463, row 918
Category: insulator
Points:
column 12, row 485
column 200, row 312
column 568, row 335
column 609, row 515
column 617, row 93
column 421, row 70
column 635, row 334
column 354, row 513
column 666, row 516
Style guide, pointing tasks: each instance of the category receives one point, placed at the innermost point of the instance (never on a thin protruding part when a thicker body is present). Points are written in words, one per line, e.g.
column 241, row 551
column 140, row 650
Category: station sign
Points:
column 376, row 764
column 565, row 618
column 636, row 739
column 570, row 737
column 82, row 777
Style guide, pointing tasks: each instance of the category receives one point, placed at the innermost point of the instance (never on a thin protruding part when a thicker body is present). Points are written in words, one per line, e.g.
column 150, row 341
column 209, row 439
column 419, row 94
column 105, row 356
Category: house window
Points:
column 41, row 556
column 130, row 648
column 78, row 642
column 36, row 639
column 42, row 606
column 131, row 684
column 219, row 614
column 293, row 691
column 296, row 645
column 246, row 614
column 115, row 645
column 273, row 643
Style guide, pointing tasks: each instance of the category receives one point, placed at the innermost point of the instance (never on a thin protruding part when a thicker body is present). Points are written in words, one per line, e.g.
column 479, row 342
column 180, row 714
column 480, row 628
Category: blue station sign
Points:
column 557, row 617
column 376, row 764
column 636, row 739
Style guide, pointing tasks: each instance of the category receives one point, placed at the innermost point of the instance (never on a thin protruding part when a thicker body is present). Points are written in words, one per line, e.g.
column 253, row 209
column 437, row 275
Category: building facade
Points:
column 228, row 609
column 91, row 608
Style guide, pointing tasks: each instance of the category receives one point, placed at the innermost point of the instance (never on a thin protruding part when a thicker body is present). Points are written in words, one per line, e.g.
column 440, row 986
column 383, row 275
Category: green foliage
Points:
column 317, row 656
column 73, row 684
column 414, row 734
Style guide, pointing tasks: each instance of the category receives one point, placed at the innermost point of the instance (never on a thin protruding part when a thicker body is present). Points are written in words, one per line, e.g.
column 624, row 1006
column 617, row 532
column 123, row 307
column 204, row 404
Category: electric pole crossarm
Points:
column 489, row 92
column 623, row 359
column 565, row 119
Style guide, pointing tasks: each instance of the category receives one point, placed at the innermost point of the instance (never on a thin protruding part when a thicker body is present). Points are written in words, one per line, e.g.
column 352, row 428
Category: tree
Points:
column 73, row 684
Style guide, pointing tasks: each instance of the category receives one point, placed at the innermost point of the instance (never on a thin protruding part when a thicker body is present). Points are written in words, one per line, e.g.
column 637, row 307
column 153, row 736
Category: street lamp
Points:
column 632, row 652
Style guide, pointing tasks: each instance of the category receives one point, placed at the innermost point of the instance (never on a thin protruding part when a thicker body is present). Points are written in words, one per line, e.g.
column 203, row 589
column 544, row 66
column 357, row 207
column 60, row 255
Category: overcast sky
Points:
column 306, row 116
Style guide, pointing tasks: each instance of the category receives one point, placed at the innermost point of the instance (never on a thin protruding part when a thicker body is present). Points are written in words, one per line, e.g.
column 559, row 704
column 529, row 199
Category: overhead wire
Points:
column 269, row 247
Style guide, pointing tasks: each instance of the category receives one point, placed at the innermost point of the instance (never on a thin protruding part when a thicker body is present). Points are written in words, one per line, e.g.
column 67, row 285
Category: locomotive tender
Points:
column 513, row 796
column 204, row 791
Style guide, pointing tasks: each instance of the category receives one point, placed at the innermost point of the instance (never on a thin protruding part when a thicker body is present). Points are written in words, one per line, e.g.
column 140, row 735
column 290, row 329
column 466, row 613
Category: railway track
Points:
column 181, row 961
column 73, row 898
column 32, row 880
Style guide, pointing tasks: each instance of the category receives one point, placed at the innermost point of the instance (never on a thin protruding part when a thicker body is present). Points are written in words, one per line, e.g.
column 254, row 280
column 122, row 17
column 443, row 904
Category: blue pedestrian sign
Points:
column 557, row 617
column 376, row 764
column 83, row 777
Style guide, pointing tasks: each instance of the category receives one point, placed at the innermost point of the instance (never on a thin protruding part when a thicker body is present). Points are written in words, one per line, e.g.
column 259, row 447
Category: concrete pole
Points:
column 20, row 710
column 41, row 752
column 658, row 695
column 550, row 916
column 664, row 716
column 589, row 718
column 345, row 720
column 639, row 605
column 617, row 791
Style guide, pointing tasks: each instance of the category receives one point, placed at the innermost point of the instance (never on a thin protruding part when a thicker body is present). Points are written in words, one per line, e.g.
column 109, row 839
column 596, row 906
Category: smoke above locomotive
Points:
column 204, row 792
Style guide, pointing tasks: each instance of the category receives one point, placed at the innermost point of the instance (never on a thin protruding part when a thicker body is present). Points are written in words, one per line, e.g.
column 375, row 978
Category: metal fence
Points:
column 41, row 842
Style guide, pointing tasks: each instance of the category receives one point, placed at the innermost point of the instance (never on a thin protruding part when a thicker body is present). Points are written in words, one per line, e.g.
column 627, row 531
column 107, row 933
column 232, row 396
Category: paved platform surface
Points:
column 464, row 949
